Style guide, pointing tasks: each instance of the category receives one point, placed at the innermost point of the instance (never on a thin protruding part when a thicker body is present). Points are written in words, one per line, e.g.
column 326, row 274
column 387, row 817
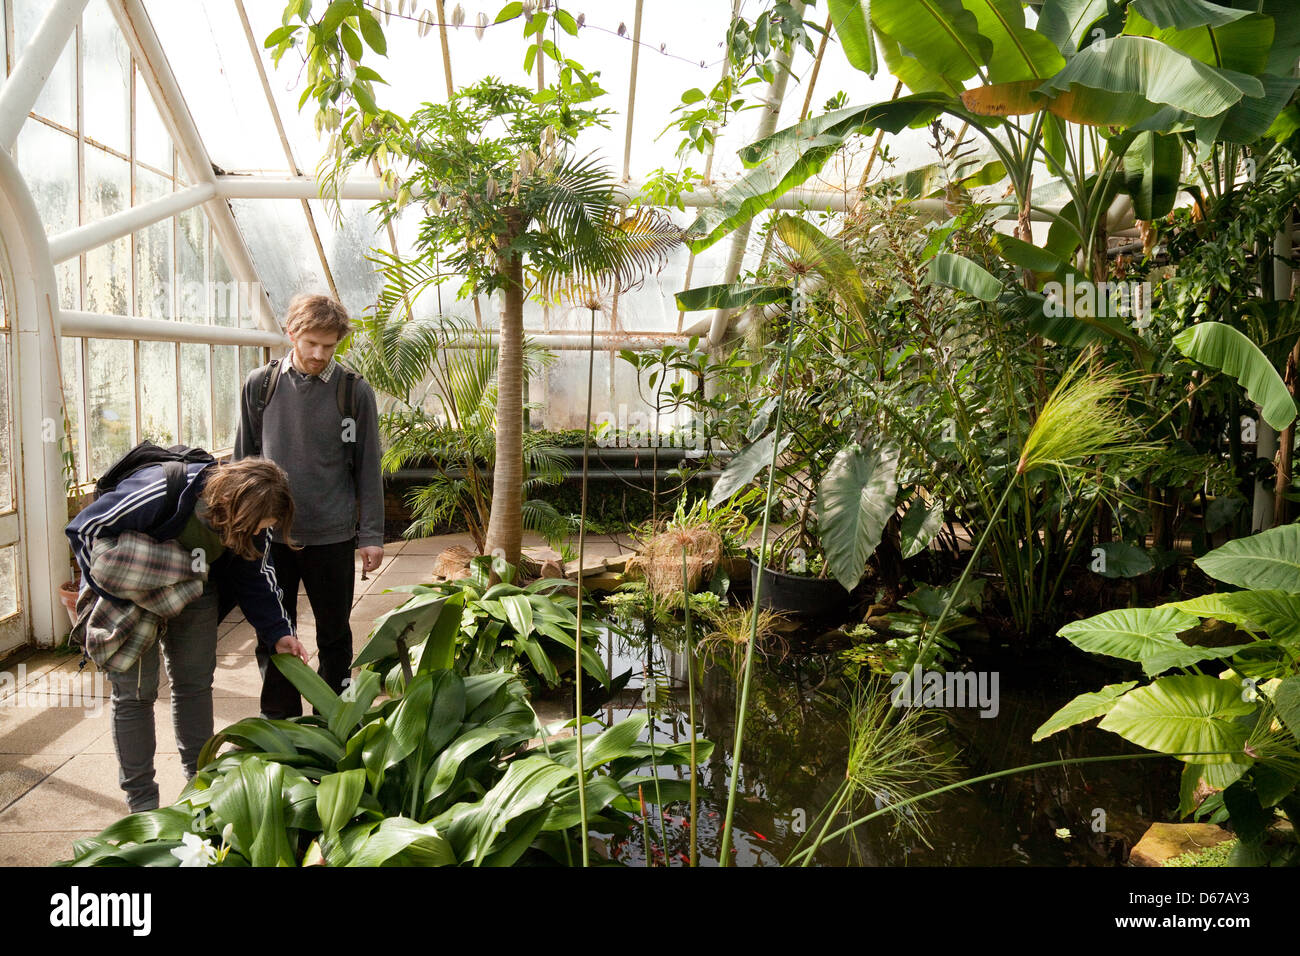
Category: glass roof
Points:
column 209, row 50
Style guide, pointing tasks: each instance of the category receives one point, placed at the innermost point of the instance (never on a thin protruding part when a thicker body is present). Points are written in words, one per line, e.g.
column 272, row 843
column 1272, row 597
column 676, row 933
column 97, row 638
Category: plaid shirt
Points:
column 154, row 579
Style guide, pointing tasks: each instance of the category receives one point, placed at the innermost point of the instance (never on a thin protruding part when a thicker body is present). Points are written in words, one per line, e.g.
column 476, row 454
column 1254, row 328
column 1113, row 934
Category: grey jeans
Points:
column 189, row 648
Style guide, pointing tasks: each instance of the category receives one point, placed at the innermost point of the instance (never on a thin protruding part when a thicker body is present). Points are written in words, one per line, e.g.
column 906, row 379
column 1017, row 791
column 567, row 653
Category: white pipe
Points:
column 236, row 186
column 134, row 327
column 33, row 68
column 147, row 49
column 37, row 412
column 67, row 245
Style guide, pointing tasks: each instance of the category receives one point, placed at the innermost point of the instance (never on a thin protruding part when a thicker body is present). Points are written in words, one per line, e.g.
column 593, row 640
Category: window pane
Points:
column 195, row 397
column 111, row 416
column 72, row 402
column 225, row 292
column 58, row 98
column 153, row 252
column 250, row 357
column 225, row 390
column 152, row 144
column 108, row 267
column 191, row 277
column 106, row 74
column 8, row 581
column 47, row 158
column 158, row 392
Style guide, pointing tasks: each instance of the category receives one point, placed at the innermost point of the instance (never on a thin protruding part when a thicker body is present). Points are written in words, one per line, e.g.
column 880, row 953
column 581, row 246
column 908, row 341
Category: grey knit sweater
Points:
column 303, row 433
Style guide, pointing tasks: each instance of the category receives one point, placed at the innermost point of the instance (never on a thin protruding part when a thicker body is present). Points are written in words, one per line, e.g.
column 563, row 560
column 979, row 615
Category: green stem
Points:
column 724, row 852
column 690, row 690
column 577, row 646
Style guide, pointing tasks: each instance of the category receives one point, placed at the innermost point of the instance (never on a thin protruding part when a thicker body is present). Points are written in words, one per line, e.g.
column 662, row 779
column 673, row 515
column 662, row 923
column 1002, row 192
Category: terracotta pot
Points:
column 68, row 598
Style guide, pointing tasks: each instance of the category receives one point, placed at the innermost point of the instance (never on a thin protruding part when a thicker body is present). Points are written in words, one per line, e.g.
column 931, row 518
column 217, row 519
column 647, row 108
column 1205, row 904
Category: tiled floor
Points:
column 58, row 769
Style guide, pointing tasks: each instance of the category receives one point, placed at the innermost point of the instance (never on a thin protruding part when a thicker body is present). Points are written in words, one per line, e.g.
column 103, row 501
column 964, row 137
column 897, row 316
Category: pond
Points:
column 797, row 743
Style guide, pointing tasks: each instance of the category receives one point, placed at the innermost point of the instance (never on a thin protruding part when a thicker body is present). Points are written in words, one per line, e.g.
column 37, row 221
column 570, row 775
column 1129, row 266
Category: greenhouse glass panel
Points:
column 250, row 357
column 196, row 396
column 47, row 158
column 347, row 248
column 191, row 276
column 58, row 97
column 74, row 402
column 110, row 386
column 108, row 267
column 8, row 581
column 153, row 252
column 152, row 144
column 158, row 412
column 217, row 78
column 106, row 79
column 225, row 395
column 282, row 249
column 564, row 403
column 224, row 292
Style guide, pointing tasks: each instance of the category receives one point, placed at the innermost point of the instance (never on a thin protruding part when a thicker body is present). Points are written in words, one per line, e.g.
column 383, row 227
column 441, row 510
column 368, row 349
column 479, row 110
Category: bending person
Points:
column 211, row 552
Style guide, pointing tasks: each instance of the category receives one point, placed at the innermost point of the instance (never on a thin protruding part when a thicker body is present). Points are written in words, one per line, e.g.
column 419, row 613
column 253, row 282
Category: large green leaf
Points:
column 1255, row 115
column 1146, row 635
column 1153, row 167
column 250, row 798
column 920, row 525
column 1185, row 14
column 1018, row 53
column 958, row 272
column 744, row 466
column 401, row 841
column 1241, row 43
column 1084, row 707
column 1126, row 79
column 613, row 742
column 1122, row 560
column 439, row 650
column 1223, row 347
column 733, row 296
column 1068, row 22
column 524, row 789
column 1266, row 561
column 167, row 823
column 1275, row 613
column 1184, row 715
column 410, row 621
column 337, row 799
column 852, row 22
column 354, row 702
column 308, row 683
column 444, row 770
column 941, row 35
column 829, row 258
column 1286, row 698
column 854, row 501
column 790, row 156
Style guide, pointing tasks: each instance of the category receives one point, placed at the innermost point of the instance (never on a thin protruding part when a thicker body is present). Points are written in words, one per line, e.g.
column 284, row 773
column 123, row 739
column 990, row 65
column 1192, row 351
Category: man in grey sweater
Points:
column 317, row 421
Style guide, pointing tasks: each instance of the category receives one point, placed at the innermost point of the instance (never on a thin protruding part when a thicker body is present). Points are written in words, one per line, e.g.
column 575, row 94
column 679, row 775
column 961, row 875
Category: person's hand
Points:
column 291, row 645
column 370, row 558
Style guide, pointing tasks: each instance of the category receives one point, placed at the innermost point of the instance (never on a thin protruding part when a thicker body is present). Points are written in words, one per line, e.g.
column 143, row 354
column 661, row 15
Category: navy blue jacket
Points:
column 137, row 504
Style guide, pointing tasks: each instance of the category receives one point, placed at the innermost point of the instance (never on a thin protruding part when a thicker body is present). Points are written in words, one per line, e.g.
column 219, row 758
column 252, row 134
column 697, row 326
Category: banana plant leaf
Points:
column 1067, row 23
column 1153, row 166
column 958, row 272
column 1224, row 348
column 941, row 35
column 852, row 22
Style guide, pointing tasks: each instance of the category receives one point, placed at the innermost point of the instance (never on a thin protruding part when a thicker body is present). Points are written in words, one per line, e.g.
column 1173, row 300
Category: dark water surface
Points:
column 795, row 751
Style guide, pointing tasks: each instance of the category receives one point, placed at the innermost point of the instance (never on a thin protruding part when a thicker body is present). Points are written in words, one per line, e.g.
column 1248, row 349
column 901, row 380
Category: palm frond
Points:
column 540, row 517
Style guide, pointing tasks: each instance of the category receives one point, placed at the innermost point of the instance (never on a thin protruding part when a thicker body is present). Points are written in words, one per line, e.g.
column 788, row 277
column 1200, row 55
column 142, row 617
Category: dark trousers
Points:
column 189, row 649
column 326, row 571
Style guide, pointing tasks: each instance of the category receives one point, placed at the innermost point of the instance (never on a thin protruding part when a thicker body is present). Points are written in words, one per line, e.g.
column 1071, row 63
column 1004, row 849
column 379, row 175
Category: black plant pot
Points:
column 799, row 595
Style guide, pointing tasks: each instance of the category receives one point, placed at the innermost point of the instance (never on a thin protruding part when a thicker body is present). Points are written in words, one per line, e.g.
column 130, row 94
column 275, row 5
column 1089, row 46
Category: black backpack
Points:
column 345, row 393
column 173, row 460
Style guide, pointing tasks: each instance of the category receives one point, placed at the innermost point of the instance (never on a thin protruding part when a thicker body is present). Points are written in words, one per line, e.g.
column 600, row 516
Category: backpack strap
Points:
column 346, row 396
column 175, row 474
column 270, row 377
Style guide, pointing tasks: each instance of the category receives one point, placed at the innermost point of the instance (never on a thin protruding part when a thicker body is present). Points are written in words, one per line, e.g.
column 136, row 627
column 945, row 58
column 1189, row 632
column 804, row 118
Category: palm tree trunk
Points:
column 505, row 523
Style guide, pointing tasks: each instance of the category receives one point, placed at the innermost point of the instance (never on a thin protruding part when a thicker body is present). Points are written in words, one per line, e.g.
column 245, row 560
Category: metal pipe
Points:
column 67, row 245
column 98, row 326
column 33, row 68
